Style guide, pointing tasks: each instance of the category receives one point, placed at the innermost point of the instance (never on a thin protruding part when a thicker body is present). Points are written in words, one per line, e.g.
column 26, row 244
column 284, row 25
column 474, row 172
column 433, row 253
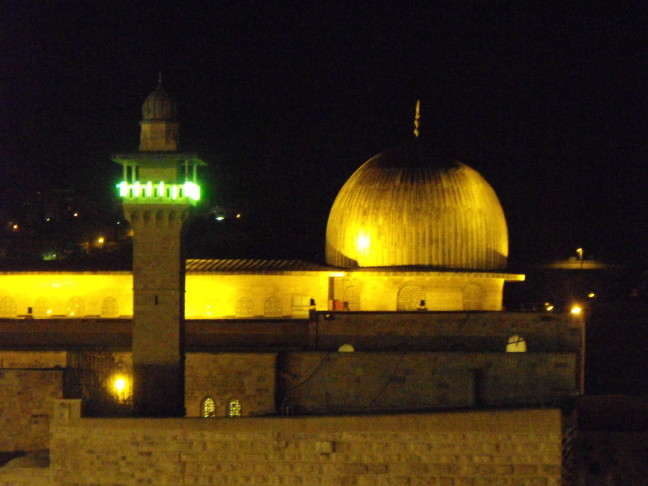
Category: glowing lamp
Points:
column 121, row 386
column 191, row 190
column 576, row 310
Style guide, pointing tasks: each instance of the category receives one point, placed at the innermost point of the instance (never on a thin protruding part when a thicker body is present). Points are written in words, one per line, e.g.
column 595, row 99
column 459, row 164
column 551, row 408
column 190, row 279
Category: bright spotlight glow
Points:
column 591, row 295
column 363, row 241
column 120, row 385
column 576, row 310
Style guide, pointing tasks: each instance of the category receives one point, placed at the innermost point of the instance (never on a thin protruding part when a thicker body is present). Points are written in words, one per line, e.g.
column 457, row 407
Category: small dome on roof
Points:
column 410, row 207
column 158, row 106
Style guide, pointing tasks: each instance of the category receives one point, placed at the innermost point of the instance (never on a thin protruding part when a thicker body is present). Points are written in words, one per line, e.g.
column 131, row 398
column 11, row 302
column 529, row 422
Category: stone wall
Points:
column 33, row 359
column 451, row 331
column 393, row 381
column 507, row 448
column 249, row 378
column 25, row 406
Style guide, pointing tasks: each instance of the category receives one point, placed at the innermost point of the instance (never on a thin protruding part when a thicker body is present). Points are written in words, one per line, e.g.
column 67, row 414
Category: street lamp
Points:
column 580, row 256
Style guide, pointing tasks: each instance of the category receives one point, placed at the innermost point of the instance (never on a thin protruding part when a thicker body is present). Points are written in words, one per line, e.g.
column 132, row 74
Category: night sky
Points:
column 285, row 100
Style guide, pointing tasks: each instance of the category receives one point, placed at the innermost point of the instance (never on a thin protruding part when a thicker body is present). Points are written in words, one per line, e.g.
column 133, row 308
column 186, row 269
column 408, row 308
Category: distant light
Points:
column 48, row 219
column 76, row 215
column 238, row 216
column 15, row 227
column 100, row 240
column 549, row 307
column 591, row 295
column 220, row 218
column 576, row 310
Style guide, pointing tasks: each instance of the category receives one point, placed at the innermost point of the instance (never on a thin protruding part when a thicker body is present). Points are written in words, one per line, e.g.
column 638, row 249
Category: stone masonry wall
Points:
column 508, row 448
column 249, row 378
column 446, row 331
column 25, row 407
column 392, row 381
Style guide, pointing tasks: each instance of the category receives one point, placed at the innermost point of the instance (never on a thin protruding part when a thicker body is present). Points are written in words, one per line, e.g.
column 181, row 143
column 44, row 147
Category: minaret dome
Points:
column 158, row 106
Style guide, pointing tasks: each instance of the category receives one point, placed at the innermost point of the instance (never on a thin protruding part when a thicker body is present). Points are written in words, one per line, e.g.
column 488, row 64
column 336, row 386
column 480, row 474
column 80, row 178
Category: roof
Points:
column 252, row 266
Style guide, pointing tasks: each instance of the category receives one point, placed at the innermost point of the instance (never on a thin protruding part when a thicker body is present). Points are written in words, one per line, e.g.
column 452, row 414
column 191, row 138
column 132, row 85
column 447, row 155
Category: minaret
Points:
column 159, row 186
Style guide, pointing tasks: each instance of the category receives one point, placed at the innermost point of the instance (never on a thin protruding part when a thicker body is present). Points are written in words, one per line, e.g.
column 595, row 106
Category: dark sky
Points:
column 285, row 100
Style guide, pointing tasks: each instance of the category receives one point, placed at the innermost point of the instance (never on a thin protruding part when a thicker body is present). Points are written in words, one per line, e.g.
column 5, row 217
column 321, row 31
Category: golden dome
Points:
column 158, row 106
column 405, row 207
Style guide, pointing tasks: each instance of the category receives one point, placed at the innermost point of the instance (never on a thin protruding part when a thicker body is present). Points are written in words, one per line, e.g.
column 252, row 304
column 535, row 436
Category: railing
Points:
column 159, row 192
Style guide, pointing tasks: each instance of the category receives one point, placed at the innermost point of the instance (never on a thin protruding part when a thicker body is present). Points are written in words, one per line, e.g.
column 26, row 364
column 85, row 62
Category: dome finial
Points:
column 417, row 117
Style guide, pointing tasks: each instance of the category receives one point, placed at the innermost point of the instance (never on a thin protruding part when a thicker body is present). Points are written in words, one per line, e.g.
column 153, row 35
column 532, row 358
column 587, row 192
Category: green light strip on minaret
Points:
column 160, row 190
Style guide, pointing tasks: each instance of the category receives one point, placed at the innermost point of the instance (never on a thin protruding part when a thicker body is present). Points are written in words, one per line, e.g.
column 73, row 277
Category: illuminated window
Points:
column 42, row 307
column 109, row 307
column 346, row 348
column 272, row 307
column 473, row 297
column 244, row 307
column 516, row 344
column 208, row 407
column 352, row 298
column 75, row 307
column 7, row 307
column 409, row 298
column 234, row 408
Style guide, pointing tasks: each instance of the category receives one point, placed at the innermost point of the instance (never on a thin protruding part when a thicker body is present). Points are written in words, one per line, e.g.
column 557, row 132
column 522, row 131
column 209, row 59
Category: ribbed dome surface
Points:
column 408, row 207
column 158, row 106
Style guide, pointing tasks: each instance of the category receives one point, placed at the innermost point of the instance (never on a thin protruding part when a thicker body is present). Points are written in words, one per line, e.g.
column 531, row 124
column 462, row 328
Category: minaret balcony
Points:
column 159, row 193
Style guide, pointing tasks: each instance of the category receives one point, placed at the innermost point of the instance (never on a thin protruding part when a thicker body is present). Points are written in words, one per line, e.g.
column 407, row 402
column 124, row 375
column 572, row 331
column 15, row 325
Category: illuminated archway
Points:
column 234, row 408
column 272, row 307
column 409, row 298
column 208, row 407
column 244, row 307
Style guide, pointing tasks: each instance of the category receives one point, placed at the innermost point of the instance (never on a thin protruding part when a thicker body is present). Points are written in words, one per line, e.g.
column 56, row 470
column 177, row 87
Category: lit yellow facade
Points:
column 57, row 294
column 230, row 295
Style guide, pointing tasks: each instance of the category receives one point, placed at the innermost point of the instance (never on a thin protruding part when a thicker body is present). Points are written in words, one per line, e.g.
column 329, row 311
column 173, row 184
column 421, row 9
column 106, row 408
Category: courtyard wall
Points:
column 510, row 448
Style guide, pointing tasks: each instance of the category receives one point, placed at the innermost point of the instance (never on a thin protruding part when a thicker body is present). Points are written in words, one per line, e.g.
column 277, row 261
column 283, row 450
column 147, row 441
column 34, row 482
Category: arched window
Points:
column 208, row 407
column 42, row 307
column 244, row 307
column 109, row 307
column 234, row 408
column 75, row 307
column 272, row 307
column 473, row 297
column 351, row 298
column 409, row 298
column 516, row 344
column 7, row 307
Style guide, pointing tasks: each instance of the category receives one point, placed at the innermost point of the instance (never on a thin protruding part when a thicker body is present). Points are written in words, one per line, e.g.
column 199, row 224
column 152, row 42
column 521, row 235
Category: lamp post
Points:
column 580, row 256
